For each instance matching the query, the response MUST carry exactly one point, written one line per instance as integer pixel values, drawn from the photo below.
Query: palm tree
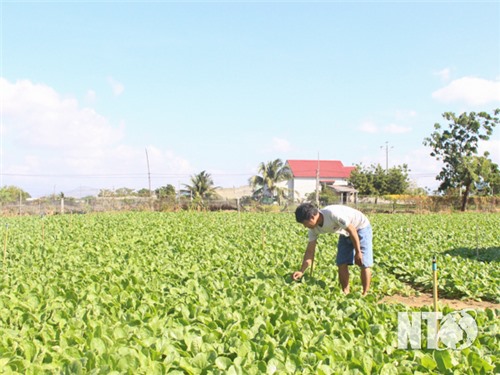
(270, 174)
(202, 186)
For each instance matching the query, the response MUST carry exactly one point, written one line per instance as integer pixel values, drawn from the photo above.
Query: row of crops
(211, 293)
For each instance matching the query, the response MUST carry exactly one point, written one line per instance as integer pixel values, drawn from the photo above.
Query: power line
(72, 175)
(118, 175)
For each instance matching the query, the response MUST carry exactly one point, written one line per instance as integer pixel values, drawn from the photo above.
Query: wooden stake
(239, 214)
(5, 246)
(435, 295)
(409, 237)
(477, 241)
(435, 283)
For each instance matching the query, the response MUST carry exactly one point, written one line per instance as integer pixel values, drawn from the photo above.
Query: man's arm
(353, 233)
(307, 261)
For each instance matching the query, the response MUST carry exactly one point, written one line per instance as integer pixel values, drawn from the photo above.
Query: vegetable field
(211, 293)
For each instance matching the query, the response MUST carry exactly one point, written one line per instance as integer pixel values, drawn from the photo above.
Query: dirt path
(427, 300)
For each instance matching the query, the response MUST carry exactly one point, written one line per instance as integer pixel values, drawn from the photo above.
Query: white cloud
(90, 96)
(396, 129)
(372, 128)
(368, 127)
(36, 115)
(117, 87)
(281, 145)
(405, 114)
(166, 161)
(46, 134)
(444, 74)
(469, 90)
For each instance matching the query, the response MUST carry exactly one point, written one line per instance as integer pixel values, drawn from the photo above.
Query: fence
(422, 204)
(395, 204)
(58, 206)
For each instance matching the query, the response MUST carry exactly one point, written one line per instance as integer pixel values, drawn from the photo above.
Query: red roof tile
(327, 168)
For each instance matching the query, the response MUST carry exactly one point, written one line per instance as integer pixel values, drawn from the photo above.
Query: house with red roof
(307, 173)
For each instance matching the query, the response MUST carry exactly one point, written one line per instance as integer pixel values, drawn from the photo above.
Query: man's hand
(358, 259)
(297, 275)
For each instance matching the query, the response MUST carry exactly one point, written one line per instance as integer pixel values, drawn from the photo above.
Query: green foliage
(165, 192)
(485, 175)
(105, 193)
(145, 193)
(266, 183)
(10, 194)
(202, 186)
(375, 180)
(125, 192)
(457, 147)
(464, 244)
(416, 191)
(211, 293)
(326, 196)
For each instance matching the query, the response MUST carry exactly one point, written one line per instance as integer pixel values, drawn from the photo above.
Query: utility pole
(317, 183)
(386, 155)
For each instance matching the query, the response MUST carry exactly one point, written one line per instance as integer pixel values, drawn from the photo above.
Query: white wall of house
(285, 184)
(303, 187)
(300, 188)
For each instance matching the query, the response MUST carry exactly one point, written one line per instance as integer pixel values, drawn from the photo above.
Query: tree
(143, 193)
(486, 175)
(105, 193)
(265, 184)
(413, 189)
(375, 180)
(494, 181)
(10, 194)
(202, 186)
(165, 191)
(326, 196)
(398, 181)
(457, 148)
(124, 192)
(362, 180)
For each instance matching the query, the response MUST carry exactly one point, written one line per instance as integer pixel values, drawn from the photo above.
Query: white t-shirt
(336, 218)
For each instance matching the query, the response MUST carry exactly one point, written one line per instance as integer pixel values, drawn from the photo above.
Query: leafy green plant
(211, 293)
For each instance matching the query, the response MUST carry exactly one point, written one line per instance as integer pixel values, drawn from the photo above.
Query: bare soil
(424, 299)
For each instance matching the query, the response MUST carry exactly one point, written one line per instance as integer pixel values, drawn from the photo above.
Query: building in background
(308, 175)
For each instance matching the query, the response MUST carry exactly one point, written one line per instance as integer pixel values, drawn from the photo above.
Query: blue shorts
(345, 253)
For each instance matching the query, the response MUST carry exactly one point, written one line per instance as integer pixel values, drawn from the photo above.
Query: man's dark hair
(304, 212)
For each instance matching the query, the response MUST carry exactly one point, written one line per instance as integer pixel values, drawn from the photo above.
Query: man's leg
(366, 277)
(344, 277)
(365, 239)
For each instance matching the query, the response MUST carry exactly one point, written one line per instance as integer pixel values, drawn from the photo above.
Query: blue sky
(87, 87)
